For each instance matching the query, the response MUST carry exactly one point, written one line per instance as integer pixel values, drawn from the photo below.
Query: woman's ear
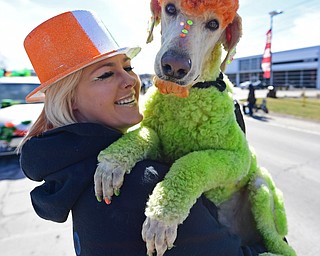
(155, 18)
(74, 105)
(230, 38)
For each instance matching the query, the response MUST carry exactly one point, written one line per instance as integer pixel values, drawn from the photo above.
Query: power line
(290, 13)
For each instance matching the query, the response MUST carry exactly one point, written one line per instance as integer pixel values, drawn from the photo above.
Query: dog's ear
(230, 37)
(155, 18)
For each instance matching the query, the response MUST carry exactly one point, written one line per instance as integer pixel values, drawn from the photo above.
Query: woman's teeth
(126, 101)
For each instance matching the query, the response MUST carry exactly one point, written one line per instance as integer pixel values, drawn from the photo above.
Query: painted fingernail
(98, 199)
(117, 192)
(107, 200)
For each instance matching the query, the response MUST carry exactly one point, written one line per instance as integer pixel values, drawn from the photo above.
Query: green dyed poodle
(199, 135)
(210, 154)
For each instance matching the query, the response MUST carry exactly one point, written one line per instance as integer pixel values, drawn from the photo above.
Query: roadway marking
(277, 124)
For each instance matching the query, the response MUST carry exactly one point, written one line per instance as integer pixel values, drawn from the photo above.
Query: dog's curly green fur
(210, 154)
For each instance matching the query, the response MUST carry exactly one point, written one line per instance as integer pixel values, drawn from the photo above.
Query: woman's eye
(104, 76)
(128, 69)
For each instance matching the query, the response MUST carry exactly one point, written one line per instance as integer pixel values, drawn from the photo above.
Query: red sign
(266, 59)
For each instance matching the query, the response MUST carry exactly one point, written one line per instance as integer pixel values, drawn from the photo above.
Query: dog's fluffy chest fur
(203, 120)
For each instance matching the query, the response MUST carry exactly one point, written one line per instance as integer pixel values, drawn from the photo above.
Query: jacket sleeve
(54, 199)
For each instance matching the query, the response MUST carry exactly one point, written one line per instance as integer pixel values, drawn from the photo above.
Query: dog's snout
(175, 65)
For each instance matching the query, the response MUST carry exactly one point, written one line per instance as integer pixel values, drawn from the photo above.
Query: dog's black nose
(175, 65)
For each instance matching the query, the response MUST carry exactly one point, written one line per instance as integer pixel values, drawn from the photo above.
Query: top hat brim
(37, 95)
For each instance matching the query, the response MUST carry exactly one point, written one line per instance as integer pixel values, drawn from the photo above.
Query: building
(293, 68)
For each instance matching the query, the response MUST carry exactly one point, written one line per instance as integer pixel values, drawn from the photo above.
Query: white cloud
(128, 22)
(306, 30)
(289, 33)
(128, 26)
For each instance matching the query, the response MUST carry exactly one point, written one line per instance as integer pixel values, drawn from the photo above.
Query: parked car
(258, 84)
(146, 82)
(145, 85)
(16, 117)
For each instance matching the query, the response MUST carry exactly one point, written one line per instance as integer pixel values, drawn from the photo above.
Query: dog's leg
(269, 213)
(120, 157)
(188, 178)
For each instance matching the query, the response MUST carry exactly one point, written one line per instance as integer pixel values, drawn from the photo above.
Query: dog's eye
(171, 9)
(213, 25)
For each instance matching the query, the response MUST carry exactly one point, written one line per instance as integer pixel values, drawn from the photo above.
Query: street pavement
(23, 233)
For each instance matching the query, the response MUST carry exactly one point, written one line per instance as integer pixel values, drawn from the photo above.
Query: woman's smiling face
(108, 93)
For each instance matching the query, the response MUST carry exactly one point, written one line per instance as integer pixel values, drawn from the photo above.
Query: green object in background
(26, 122)
(6, 132)
(6, 103)
(24, 72)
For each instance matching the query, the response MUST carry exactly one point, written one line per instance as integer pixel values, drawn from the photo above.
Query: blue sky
(127, 20)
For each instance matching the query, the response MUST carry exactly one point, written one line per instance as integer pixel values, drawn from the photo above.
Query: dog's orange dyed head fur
(226, 9)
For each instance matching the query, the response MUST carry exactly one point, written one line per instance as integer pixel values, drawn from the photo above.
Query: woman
(90, 95)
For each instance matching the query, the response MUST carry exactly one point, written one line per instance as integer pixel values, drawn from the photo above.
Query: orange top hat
(66, 43)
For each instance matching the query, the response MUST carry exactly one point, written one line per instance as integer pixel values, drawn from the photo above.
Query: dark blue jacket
(66, 159)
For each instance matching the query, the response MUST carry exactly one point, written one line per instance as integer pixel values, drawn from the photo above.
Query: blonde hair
(57, 110)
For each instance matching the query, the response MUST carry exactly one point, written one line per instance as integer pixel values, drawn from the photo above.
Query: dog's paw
(108, 179)
(158, 236)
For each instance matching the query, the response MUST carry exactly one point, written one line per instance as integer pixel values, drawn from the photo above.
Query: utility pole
(272, 14)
